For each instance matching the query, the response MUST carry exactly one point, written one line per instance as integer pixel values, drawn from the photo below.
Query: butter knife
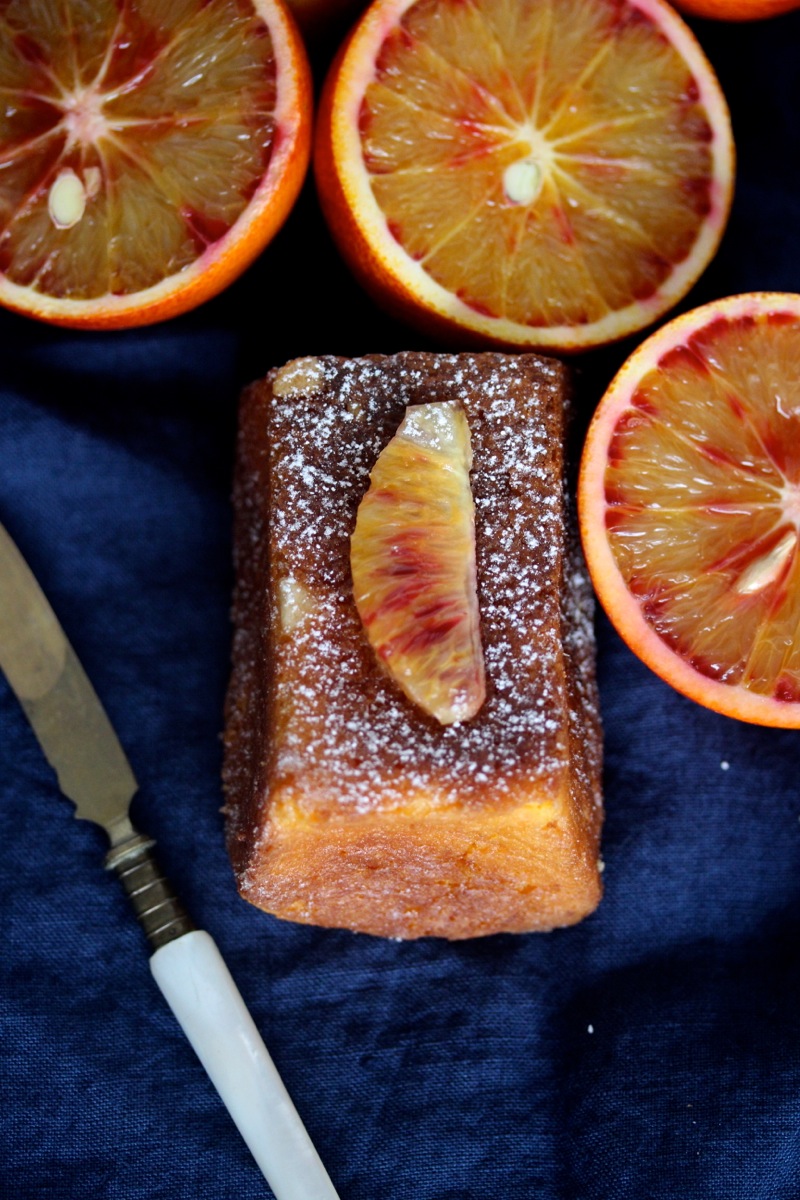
(93, 772)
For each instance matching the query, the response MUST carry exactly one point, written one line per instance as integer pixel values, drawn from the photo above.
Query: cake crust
(346, 805)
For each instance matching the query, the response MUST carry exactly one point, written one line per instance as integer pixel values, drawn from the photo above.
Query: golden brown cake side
(346, 805)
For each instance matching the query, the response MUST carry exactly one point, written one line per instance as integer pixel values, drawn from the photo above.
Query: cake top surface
(337, 721)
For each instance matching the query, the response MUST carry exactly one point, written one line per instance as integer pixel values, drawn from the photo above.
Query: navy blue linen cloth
(650, 1053)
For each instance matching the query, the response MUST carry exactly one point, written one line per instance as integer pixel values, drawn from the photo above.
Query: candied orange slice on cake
(148, 151)
(689, 502)
(412, 556)
(534, 173)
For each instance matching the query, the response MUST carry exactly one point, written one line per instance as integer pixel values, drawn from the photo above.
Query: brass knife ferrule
(158, 910)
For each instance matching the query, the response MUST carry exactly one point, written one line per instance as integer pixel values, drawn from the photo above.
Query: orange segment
(149, 149)
(413, 564)
(690, 505)
(533, 173)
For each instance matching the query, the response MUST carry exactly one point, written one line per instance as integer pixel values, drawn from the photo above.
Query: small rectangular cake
(347, 805)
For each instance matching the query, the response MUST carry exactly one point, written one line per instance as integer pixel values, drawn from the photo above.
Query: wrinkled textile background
(651, 1053)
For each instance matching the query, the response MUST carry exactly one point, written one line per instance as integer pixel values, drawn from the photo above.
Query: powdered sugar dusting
(298, 377)
(429, 425)
(338, 731)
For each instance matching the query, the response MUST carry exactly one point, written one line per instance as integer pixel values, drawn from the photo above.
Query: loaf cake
(347, 805)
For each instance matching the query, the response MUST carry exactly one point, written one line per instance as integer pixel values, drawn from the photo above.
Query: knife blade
(60, 702)
(93, 771)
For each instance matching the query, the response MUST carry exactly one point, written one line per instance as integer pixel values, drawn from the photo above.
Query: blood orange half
(532, 173)
(689, 501)
(148, 151)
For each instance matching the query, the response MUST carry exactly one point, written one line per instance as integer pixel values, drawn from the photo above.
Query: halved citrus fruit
(412, 555)
(148, 151)
(531, 173)
(689, 499)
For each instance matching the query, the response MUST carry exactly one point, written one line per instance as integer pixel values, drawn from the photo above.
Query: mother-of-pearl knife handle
(189, 970)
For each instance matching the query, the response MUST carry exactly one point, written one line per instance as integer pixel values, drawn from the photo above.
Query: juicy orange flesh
(413, 564)
(163, 109)
(599, 105)
(703, 494)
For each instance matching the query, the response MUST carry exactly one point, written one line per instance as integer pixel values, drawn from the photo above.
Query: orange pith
(530, 173)
(690, 505)
(149, 151)
(413, 564)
